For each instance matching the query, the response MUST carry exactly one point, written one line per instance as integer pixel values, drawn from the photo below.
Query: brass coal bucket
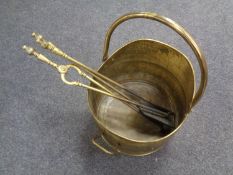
(158, 72)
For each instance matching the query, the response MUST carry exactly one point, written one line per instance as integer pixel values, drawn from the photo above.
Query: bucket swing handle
(176, 27)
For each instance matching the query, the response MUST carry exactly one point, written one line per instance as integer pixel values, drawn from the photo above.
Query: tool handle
(48, 45)
(32, 51)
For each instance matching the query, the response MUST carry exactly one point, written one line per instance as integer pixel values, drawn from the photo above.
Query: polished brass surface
(161, 74)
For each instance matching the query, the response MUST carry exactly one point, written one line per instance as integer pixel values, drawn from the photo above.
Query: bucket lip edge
(185, 114)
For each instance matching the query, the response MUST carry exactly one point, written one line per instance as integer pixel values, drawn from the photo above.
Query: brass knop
(31, 51)
(48, 45)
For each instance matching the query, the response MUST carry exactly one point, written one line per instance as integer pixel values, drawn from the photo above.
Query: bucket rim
(102, 126)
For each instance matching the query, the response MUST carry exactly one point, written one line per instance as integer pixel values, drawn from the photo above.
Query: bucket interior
(146, 68)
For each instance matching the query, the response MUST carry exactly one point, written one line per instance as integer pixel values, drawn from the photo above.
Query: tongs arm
(63, 70)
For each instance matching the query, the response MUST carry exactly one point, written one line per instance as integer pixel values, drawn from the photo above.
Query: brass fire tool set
(141, 95)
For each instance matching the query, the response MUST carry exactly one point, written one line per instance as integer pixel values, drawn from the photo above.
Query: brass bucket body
(154, 70)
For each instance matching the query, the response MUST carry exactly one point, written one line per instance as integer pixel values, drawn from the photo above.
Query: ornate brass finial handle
(48, 45)
(32, 51)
